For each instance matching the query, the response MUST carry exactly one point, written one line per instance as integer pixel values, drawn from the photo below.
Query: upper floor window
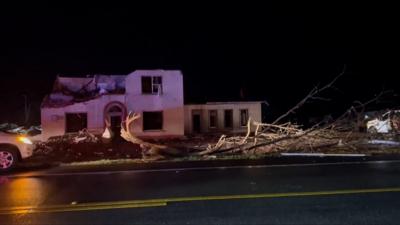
(152, 85)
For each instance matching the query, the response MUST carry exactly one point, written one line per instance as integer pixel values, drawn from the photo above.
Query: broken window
(228, 118)
(152, 85)
(157, 85)
(244, 117)
(146, 85)
(75, 122)
(152, 120)
(213, 118)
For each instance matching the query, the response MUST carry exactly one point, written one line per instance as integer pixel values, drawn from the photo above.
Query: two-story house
(157, 95)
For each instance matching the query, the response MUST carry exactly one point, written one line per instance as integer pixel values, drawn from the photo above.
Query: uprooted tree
(149, 150)
(127, 134)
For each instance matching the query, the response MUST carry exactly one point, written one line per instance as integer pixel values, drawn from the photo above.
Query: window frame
(155, 81)
(71, 113)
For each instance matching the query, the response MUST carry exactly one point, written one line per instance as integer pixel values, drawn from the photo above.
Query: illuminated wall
(254, 111)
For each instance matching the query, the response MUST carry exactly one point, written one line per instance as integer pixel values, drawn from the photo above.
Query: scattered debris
(384, 123)
(85, 136)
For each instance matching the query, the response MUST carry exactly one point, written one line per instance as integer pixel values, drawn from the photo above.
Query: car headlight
(25, 140)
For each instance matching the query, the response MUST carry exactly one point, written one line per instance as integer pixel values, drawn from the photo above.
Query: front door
(196, 123)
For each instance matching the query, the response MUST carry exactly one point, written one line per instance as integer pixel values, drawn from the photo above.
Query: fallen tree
(275, 136)
(278, 137)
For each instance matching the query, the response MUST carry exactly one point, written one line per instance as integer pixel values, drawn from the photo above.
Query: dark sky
(273, 55)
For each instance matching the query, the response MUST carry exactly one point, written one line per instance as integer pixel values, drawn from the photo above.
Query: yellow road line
(165, 201)
(279, 195)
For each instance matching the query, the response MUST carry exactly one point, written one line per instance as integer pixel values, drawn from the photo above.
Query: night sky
(272, 55)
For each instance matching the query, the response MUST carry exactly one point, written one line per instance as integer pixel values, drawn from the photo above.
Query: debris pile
(84, 146)
(83, 136)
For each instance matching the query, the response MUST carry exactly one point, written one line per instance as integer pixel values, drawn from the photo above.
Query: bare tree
(312, 95)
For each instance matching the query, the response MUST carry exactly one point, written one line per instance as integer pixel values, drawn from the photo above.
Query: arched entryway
(114, 113)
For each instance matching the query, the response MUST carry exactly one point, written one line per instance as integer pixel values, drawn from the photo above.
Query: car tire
(8, 158)
(372, 130)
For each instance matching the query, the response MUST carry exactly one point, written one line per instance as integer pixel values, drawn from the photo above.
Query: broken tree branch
(312, 94)
(248, 131)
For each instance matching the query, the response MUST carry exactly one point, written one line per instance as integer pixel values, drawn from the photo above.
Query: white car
(13, 148)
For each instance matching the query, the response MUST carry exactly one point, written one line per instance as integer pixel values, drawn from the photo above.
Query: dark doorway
(114, 115)
(116, 126)
(213, 118)
(228, 118)
(196, 123)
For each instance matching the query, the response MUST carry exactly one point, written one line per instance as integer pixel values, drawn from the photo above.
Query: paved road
(343, 193)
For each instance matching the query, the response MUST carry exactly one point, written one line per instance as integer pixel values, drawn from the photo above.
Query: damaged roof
(70, 90)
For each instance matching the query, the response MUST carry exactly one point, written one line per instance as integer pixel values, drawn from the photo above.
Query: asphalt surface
(327, 193)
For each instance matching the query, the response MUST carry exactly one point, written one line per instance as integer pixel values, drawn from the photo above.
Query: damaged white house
(157, 95)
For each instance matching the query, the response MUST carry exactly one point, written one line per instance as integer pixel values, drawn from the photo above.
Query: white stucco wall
(170, 101)
(254, 110)
(53, 119)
